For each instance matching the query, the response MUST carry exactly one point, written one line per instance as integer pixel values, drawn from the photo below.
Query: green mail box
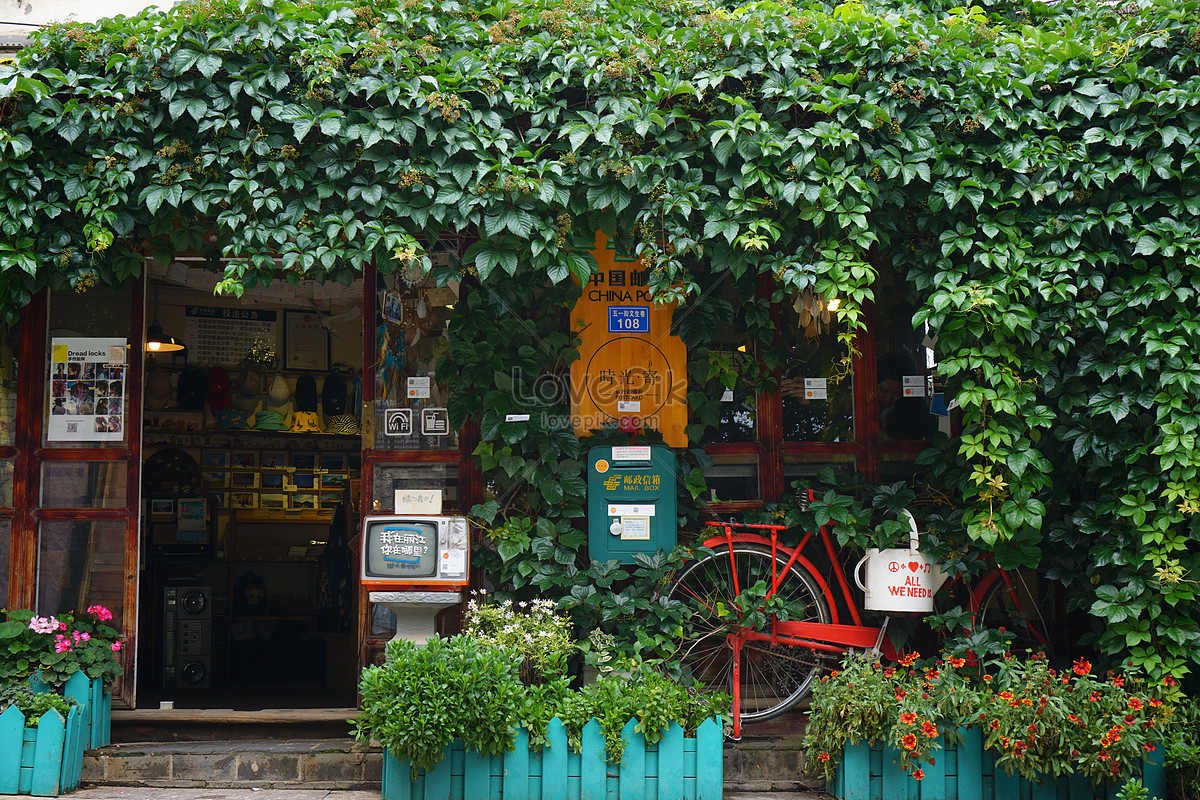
(631, 502)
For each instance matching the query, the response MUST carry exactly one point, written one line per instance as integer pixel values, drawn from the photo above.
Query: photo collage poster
(87, 390)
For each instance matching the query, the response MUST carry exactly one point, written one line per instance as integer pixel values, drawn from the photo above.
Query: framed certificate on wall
(305, 341)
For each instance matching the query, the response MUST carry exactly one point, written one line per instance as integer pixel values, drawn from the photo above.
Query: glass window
(816, 387)
(390, 478)
(8, 386)
(410, 403)
(5, 555)
(87, 405)
(804, 467)
(6, 481)
(81, 563)
(904, 367)
(83, 484)
(732, 477)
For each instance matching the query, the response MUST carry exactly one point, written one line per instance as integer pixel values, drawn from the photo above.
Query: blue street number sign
(628, 319)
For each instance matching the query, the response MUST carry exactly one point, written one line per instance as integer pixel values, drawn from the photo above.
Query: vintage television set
(415, 552)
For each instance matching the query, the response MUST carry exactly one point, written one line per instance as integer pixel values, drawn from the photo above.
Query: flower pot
(672, 769)
(46, 760)
(966, 771)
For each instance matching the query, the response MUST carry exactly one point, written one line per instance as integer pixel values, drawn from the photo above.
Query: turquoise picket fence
(45, 760)
(677, 768)
(967, 771)
(94, 701)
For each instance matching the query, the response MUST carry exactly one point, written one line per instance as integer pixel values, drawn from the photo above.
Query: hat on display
(280, 392)
(158, 389)
(343, 424)
(306, 422)
(191, 389)
(234, 419)
(333, 395)
(249, 381)
(306, 394)
(218, 391)
(269, 420)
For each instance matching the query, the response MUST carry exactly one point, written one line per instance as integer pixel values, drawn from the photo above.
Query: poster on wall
(87, 390)
(216, 335)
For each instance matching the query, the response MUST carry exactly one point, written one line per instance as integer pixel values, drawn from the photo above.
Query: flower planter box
(676, 768)
(46, 760)
(94, 701)
(966, 771)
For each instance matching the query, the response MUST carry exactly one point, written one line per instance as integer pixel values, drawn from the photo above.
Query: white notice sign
(418, 501)
(635, 529)
(631, 454)
(418, 387)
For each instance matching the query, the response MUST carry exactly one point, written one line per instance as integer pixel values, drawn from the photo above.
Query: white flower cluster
(536, 629)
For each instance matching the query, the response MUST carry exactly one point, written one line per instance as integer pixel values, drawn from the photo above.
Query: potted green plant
(1004, 721)
(75, 655)
(490, 713)
(41, 741)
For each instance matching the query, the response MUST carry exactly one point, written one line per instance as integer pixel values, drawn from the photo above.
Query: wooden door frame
(31, 455)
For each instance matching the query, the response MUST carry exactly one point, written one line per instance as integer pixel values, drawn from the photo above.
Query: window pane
(83, 484)
(5, 550)
(88, 398)
(405, 379)
(905, 367)
(817, 390)
(800, 470)
(81, 564)
(8, 385)
(389, 478)
(6, 481)
(732, 477)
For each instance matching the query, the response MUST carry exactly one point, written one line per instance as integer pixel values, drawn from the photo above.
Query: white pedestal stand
(415, 611)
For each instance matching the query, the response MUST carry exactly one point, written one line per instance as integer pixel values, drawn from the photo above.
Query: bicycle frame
(834, 637)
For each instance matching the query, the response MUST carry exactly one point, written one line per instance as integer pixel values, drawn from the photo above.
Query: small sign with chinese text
(628, 319)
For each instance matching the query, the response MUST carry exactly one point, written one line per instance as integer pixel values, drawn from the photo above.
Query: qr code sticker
(72, 427)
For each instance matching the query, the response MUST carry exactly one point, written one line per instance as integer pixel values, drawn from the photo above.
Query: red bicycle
(767, 663)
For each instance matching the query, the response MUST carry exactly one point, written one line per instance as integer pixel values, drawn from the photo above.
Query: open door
(80, 502)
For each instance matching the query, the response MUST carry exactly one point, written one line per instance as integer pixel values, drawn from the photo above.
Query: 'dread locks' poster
(87, 390)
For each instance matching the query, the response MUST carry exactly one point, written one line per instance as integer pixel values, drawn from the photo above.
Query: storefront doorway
(251, 463)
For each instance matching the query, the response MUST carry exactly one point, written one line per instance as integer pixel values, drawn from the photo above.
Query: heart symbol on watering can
(914, 566)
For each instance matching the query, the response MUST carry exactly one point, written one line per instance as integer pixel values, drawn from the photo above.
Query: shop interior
(251, 448)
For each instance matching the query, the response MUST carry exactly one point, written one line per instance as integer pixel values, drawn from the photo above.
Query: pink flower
(61, 643)
(43, 624)
(102, 614)
(116, 646)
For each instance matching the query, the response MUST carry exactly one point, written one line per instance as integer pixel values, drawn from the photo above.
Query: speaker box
(187, 637)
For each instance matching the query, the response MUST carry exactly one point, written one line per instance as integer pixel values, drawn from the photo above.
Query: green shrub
(463, 688)
(424, 697)
(33, 704)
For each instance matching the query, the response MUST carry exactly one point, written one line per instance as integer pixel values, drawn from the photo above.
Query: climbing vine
(1029, 169)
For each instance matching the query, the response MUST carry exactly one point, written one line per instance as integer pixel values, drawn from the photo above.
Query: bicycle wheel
(1016, 610)
(773, 678)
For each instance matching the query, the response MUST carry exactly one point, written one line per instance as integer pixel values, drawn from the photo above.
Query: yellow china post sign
(629, 363)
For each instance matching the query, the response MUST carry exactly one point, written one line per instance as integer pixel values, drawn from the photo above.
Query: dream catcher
(814, 315)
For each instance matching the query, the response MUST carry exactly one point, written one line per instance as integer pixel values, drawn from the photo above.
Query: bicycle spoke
(773, 678)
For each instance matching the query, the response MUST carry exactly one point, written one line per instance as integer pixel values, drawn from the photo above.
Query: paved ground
(132, 793)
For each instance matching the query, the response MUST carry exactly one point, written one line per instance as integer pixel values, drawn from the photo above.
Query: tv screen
(400, 548)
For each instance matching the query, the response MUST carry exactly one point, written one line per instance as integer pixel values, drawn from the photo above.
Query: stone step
(751, 765)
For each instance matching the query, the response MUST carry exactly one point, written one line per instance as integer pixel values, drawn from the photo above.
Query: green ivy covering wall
(1032, 170)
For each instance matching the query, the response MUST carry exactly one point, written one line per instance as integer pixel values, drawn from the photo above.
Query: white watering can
(899, 579)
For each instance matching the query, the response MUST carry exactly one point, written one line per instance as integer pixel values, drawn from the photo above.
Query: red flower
(908, 718)
(909, 742)
(1135, 703)
(1073, 718)
(1149, 748)
(1006, 695)
(1169, 681)
(1082, 667)
(1094, 697)
(822, 757)
(957, 662)
(1129, 719)
(994, 724)
(1154, 702)
(1118, 681)
(918, 774)
(909, 659)
(929, 729)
